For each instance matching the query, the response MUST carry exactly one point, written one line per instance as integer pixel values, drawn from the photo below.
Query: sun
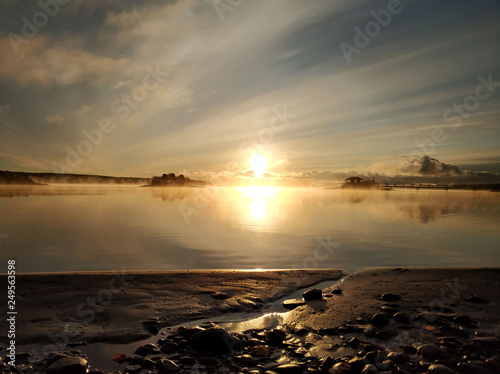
(258, 163)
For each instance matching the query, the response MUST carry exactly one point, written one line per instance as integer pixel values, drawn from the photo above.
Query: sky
(322, 88)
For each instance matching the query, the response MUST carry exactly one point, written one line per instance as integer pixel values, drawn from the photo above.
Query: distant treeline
(22, 178)
(172, 180)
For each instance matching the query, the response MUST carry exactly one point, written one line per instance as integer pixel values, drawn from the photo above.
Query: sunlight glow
(259, 198)
(258, 163)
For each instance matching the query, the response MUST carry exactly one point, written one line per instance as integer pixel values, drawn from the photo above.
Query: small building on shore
(357, 182)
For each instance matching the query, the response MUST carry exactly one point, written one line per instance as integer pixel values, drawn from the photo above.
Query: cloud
(83, 110)
(430, 166)
(56, 118)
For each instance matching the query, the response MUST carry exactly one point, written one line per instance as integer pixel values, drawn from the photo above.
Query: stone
(208, 361)
(379, 319)
(288, 369)
(470, 368)
(68, 365)
(275, 337)
(402, 317)
(167, 366)
(220, 296)
(370, 369)
(213, 339)
(336, 291)
(169, 347)
(453, 331)
(493, 365)
(152, 325)
(430, 351)
(187, 361)
(462, 319)
(314, 294)
(439, 369)
(476, 300)
(293, 303)
(488, 341)
(147, 349)
(358, 363)
(396, 357)
(133, 368)
(390, 297)
(261, 351)
(385, 334)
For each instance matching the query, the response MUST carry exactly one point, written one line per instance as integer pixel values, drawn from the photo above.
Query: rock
(68, 365)
(314, 294)
(245, 359)
(213, 339)
(470, 368)
(220, 296)
(275, 337)
(147, 349)
(293, 303)
(208, 361)
(370, 369)
(187, 361)
(187, 332)
(493, 365)
(488, 341)
(385, 334)
(353, 342)
(396, 357)
(167, 366)
(439, 369)
(358, 363)
(430, 351)
(341, 368)
(476, 300)
(288, 369)
(261, 351)
(152, 325)
(169, 347)
(402, 317)
(379, 319)
(390, 297)
(336, 291)
(462, 319)
(453, 331)
(133, 368)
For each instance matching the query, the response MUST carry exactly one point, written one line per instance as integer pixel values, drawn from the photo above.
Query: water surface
(88, 228)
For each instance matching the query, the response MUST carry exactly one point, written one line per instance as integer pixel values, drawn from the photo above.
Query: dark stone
(187, 361)
(462, 319)
(147, 349)
(370, 369)
(390, 297)
(293, 303)
(430, 351)
(439, 369)
(169, 347)
(453, 331)
(402, 317)
(488, 341)
(358, 363)
(275, 337)
(314, 294)
(493, 365)
(220, 296)
(133, 368)
(214, 339)
(288, 369)
(208, 361)
(380, 319)
(167, 366)
(68, 365)
(187, 332)
(397, 357)
(385, 334)
(336, 291)
(152, 325)
(476, 300)
(354, 342)
(470, 368)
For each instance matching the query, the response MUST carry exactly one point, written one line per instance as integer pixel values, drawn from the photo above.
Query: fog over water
(97, 228)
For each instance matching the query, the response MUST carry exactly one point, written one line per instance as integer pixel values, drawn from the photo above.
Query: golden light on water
(258, 197)
(258, 163)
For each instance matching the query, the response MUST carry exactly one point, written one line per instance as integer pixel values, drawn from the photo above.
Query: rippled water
(87, 228)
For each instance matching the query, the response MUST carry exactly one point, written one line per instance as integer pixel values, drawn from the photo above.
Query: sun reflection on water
(257, 198)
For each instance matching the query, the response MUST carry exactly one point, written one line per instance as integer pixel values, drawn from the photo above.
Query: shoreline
(387, 320)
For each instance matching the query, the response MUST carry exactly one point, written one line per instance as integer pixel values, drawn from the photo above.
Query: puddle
(100, 354)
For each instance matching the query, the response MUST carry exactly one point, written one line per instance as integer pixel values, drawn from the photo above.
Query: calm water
(110, 228)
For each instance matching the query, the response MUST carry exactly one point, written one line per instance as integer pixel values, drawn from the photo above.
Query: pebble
(336, 291)
(169, 347)
(213, 339)
(379, 319)
(167, 366)
(147, 349)
(288, 369)
(488, 341)
(476, 300)
(390, 297)
(293, 303)
(370, 369)
(439, 369)
(430, 351)
(275, 337)
(402, 317)
(220, 296)
(153, 325)
(453, 331)
(65, 365)
(462, 319)
(133, 368)
(396, 357)
(470, 368)
(314, 294)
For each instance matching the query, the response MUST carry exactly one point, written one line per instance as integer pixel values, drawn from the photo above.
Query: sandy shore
(111, 307)
(397, 320)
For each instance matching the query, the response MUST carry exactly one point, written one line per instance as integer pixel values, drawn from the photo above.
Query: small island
(171, 180)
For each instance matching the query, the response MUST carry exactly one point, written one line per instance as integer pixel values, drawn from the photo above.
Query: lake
(97, 228)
